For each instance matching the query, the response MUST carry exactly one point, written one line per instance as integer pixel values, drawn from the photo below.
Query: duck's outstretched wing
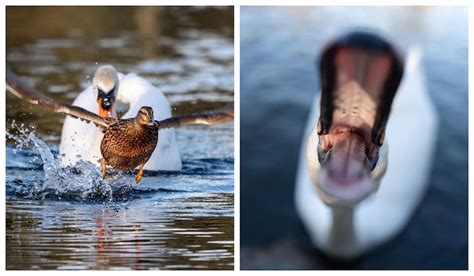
(18, 88)
(214, 117)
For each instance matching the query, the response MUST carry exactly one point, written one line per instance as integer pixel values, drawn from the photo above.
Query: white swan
(81, 140)
(349, 224)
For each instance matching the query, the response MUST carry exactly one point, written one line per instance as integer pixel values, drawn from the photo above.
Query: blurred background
(279, 49)
(180, 220)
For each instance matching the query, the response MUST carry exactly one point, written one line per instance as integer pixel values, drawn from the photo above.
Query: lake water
(279, 47)
(68, 218)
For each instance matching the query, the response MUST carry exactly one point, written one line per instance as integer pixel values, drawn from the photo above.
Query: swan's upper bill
(105, 86)
(360, 74)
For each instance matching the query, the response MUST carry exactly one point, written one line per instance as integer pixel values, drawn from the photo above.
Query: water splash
(81, 182)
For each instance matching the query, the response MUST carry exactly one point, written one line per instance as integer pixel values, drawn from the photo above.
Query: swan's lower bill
(344, 179)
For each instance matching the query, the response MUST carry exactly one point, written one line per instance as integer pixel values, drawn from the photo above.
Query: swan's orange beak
(105, 106)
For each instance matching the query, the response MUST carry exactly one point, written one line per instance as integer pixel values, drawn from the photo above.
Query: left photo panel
(119, 138)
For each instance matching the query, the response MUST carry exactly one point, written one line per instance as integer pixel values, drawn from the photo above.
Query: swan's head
(145, 116)
(346, 155)
(345, 166)
(105, 84)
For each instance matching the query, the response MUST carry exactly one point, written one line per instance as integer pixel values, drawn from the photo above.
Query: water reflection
(54, 235)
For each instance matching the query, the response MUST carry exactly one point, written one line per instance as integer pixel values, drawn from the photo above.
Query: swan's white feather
(81, 140)
(137, 92)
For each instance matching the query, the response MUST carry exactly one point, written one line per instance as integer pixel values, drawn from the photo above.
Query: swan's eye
(373, 161)
(322, 154)
(101, 93)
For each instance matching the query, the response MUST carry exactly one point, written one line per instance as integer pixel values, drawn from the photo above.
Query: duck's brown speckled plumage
(126, 144)
(129, 143)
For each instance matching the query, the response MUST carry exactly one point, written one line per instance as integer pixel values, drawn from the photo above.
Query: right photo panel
(354, 137)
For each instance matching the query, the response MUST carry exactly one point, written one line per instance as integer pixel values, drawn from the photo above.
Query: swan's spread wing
(18, 88)
(214, 117)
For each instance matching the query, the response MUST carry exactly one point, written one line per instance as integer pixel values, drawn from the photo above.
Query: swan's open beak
(360, 73)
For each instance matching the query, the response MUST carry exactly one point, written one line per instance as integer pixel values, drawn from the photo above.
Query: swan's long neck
(342, 234)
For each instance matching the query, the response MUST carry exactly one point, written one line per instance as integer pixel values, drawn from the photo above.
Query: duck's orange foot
(139, 174)
(103, 168)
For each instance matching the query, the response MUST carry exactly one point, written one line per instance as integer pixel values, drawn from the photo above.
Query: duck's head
(105, 84)
(145, 116)
(360, 73)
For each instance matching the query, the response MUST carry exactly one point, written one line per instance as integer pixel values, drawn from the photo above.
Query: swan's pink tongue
(345, 176)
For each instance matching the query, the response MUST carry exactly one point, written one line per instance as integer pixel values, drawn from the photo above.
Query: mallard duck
(127, 143)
